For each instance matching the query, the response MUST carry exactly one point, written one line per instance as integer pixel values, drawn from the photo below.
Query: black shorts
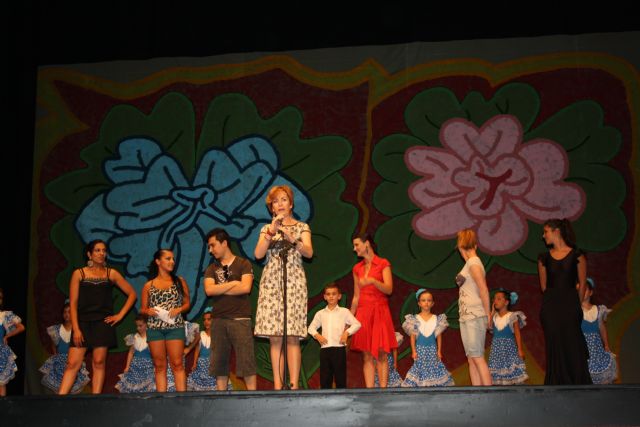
(96, 333)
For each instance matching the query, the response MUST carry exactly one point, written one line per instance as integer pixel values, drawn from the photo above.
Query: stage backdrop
(410, 142)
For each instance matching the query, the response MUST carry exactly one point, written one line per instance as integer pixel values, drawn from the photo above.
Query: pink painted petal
(547, 159)
(438, 166)
(428, 193)
(489, 187)
(520, 180)
(431, 161)
(498, 136)
(503, 234)
(442, 223)
(550, 196)
(457, 134)
(565, 201)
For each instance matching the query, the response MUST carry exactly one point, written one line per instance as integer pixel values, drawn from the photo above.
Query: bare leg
(98, 362)
(473, 372)
(277, 362)
(294, 359)
(175, 350)
(3, 390)
(368, 370)
(383, 369)
(222, 382)
(159, 355)
(74, 362)
(482, 371)
(250, 382)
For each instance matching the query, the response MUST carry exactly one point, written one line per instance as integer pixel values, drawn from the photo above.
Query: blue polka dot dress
(140, 378)
(505, 365)
(427, 369)
(199, 379)
(8, 366)
(394, 380)
(53, 368)
(602, 364)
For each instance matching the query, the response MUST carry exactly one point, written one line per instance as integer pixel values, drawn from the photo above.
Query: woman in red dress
(372, 285)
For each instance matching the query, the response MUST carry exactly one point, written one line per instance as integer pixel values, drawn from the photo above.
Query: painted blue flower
(153, 205)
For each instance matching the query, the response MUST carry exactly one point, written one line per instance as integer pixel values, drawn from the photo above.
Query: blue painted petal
(256, 148)
(193, 202)
(238, 227)
(137, 248)
(258, 159)
(216, 170)
(238, 174)
(136, 154)
(252, 183)
(96, 222)
(149, 204)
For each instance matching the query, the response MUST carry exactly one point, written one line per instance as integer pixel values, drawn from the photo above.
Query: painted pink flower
(487, 179)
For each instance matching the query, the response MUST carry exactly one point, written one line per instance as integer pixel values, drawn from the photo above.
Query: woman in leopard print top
(164, 298)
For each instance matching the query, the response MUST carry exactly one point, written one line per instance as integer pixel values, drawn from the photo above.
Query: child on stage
(506, 358)
(395, 380)
(10, 325)
(53, 368)
(425, 330)
(602, 363)
(199, 379)
(139, 373)
(334, 321)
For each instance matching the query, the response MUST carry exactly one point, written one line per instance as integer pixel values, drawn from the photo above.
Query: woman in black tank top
(92, 318)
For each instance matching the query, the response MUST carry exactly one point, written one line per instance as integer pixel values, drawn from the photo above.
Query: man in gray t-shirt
(228, 282)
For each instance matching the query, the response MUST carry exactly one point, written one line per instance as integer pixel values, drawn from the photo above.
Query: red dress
(377, 331)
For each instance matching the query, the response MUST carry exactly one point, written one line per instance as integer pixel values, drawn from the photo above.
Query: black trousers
(333, 366)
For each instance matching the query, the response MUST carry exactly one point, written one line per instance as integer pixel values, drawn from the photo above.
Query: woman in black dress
(92, 317)
(560, 270)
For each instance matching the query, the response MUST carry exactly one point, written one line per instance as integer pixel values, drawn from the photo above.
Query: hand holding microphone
(276, 223)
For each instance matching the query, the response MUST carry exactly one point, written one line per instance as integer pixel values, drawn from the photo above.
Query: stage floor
(616, 405)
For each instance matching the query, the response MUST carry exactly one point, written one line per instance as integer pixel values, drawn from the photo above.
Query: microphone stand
(283, 246)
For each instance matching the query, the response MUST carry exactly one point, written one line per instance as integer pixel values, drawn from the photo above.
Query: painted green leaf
(590, 144)
(425, 263)
(517, 99)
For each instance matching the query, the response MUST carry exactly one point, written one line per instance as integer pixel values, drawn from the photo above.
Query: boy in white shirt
(334, 321)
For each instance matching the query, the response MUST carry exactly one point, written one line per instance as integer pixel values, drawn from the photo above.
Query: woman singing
(293, 236)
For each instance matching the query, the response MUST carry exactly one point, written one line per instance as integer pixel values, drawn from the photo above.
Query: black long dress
(561, 317)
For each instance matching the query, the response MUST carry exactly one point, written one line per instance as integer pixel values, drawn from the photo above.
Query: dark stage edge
(617, 405)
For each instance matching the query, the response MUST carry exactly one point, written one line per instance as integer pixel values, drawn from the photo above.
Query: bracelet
(267, 236)
(269, 232)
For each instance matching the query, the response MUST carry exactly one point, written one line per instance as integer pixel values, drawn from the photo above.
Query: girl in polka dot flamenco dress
(53, 368)
(506, 358)
(139, 373)
(602, 363)
(425, 330)
(395, 380)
